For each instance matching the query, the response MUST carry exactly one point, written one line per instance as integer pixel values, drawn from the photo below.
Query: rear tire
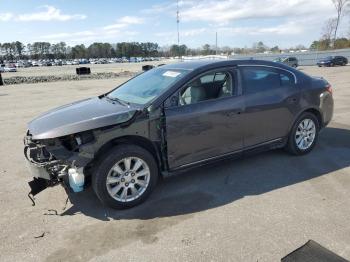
(125, 177)
(303, 135)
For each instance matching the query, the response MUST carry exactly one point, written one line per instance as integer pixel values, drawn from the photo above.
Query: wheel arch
(315, 112)
(140, 141)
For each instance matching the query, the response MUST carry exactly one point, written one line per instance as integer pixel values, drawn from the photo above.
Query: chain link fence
(304, 58)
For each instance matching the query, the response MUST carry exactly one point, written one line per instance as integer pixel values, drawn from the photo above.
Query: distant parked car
(84, 61)
(27, 64)
(133, 60)
(140, 59)
(47, 63)
(57, 63)
(290, 61)
(10, 68)
(333, 61)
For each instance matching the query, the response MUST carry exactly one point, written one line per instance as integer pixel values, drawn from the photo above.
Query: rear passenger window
(260, 79)
(287, 79)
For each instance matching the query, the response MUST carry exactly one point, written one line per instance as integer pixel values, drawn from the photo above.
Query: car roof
(201, 64)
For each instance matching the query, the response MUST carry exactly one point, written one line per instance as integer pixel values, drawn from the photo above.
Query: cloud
(125, 21)
(70, 35)
(109, 32)
(249, 19)
(5, 17)
(288, 29)
(225, 11)
(168, 7)
(97, 35)
(50, 13)
(131, 20)
(185, 33)
(83, 36)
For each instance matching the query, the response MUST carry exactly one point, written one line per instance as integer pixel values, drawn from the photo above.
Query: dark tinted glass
(260, 79)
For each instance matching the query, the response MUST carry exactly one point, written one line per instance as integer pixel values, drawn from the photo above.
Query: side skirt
(256, 149)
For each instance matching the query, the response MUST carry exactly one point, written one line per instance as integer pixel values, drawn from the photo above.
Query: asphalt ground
(254, 209)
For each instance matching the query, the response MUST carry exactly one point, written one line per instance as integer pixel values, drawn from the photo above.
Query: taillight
(329, 89)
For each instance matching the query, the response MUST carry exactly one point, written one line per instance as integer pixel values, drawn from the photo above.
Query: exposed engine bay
(55, 161)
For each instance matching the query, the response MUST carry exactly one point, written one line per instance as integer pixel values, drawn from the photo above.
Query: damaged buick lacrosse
(172, 118)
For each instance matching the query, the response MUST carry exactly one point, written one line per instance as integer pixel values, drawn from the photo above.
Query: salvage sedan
(173, 118)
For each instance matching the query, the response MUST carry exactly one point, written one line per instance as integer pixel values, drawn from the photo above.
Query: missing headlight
(72, 142)
(84, 137)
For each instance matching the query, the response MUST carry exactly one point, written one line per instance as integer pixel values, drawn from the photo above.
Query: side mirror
(172, 101)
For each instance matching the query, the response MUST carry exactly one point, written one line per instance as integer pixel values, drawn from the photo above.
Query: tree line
(45, 50)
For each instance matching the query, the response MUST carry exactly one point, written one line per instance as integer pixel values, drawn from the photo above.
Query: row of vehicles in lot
(327, 61)
(11, 66)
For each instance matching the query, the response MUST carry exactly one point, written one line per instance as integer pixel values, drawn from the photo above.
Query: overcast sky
(239, 23)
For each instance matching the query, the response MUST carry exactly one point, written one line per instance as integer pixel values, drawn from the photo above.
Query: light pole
(178, 31)
(216, 43)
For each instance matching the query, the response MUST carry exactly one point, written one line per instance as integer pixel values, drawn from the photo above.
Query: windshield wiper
(123, 103)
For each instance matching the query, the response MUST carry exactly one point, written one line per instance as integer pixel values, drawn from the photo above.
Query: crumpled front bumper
(50, 164)
(37, 171)
(42, 166)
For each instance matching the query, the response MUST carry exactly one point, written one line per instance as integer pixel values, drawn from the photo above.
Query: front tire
(125, 177)
(304, 134)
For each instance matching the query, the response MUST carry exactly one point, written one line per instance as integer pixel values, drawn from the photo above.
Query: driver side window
(209, 86)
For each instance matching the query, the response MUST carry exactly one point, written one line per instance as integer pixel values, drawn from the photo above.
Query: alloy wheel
(305, 134)
(128, 179)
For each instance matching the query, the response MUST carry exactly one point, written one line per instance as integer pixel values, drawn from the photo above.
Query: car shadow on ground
(227, 181)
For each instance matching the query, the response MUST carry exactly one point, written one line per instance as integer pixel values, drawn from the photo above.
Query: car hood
(80, 116)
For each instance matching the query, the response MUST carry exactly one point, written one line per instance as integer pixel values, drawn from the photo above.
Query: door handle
(233, 113)
(292, 100)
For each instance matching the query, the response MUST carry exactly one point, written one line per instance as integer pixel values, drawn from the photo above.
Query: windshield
(147, 86)
(328, 58)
